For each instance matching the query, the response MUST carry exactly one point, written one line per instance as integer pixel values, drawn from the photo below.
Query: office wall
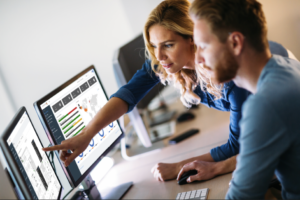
(7, 112)
(283, 19)
(6, 106)
(137, 12)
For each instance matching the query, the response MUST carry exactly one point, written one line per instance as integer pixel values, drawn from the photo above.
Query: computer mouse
(186, 175)
(185, 117)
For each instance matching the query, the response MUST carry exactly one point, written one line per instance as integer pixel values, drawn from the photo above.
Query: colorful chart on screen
(74, 108)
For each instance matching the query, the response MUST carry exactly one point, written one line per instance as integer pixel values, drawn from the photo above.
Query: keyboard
(194, 194)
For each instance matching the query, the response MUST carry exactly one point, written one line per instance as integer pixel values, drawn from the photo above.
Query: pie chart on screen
(92, 143)
(101, 133)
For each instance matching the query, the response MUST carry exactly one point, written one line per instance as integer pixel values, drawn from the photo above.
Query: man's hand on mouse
(165, 171)
(76, 144)
(206, 170)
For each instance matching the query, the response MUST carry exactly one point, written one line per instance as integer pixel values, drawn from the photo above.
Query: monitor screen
(68, 109)
(33, 164)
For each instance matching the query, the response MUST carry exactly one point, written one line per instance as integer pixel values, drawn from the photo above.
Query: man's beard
(226, 68)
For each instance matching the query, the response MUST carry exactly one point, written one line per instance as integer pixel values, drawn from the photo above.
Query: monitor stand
(157, 133)
(91, 191)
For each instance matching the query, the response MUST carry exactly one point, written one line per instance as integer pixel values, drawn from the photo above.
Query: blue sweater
(270, 134)
(233, 98)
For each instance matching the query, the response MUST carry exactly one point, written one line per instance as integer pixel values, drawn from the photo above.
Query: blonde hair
(206, 83)
(174, 15)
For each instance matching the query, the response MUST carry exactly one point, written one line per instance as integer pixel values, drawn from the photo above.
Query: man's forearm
(205, 157)
(221, 167)
(225, 166)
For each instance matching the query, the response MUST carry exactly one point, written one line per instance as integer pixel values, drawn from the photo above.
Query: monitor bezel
(41, 116)
(12, 164)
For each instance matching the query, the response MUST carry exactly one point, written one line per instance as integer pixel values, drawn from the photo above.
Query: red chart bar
(72, 110)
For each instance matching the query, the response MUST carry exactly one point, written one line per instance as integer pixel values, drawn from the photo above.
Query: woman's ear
(192, 39)
(193, 46)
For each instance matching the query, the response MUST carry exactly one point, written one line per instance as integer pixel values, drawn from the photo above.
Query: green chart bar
(78, 131)
(71, 122)
(68, 130)
(63, 117)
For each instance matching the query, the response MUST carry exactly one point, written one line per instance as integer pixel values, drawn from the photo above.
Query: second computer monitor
(127, 60)
(67, 110)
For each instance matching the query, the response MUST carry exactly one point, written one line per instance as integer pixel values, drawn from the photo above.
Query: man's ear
(236, 42)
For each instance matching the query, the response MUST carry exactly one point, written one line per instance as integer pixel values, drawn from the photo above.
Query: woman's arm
(236, 96)
(140, 84)
(121, 102)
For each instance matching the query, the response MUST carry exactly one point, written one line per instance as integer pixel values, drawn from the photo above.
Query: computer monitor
(65, 111)
(126, 61)
(29, 168)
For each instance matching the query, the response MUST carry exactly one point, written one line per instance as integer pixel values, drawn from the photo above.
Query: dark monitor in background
(32, 175)
(127, 60)
(65, 111)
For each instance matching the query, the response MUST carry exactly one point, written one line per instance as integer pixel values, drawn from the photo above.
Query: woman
(168, 35)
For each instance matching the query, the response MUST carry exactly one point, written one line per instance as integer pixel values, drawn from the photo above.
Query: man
(231, 39)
